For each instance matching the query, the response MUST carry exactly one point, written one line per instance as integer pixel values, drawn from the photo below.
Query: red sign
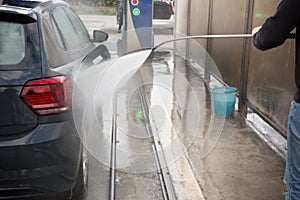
(134, 2)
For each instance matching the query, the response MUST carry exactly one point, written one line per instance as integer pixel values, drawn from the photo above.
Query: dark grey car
(41, 42)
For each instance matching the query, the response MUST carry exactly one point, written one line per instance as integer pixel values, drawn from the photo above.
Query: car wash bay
(162, 118)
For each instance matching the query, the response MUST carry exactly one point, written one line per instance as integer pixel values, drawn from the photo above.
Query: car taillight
(172, 7)
(48, 96)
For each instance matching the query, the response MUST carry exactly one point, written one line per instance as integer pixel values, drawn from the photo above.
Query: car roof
(27, 7)
(23, 3)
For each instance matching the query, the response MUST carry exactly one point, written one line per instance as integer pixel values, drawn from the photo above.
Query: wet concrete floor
(240, 166)
(220, 157)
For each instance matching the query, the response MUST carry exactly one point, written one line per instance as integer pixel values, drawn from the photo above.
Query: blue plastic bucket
(224, 100)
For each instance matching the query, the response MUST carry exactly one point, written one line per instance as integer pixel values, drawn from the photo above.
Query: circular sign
(135, 2)
(136, 12)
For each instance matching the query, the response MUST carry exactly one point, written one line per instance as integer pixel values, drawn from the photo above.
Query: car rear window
(161, 10)
(12, 43)
(19, 43)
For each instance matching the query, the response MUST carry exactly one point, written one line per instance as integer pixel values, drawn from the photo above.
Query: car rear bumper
(39, 188)
(163, 23)
(43, 162)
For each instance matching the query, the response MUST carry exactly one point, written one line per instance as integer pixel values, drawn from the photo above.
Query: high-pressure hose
(290, 36)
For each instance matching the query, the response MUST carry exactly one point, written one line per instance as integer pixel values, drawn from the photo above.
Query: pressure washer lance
(290, 36)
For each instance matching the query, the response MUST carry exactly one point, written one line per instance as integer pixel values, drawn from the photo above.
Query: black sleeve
(276, 29)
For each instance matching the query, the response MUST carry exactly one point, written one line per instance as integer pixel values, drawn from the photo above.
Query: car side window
(57, 35)
(66, 29)
(81, 31)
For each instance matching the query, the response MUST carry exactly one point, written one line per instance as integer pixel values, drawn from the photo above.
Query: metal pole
(188, 32)
(208, 42)
(245, 59)
(188, 24)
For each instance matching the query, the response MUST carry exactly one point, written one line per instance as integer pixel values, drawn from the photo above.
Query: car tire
(81, 186)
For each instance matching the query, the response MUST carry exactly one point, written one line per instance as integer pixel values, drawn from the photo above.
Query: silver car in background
(163, 14)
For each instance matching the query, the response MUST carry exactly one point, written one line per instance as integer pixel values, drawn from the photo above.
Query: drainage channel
(164, 182)
(112, 182)
(160, 161)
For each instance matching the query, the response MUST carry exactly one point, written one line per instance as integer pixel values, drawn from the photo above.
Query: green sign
(136, 12)
(139, 117)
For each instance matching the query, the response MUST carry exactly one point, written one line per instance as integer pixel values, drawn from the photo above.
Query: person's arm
(276, 29)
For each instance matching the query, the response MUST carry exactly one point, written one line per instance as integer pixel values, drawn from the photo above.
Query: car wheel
(81, 186)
